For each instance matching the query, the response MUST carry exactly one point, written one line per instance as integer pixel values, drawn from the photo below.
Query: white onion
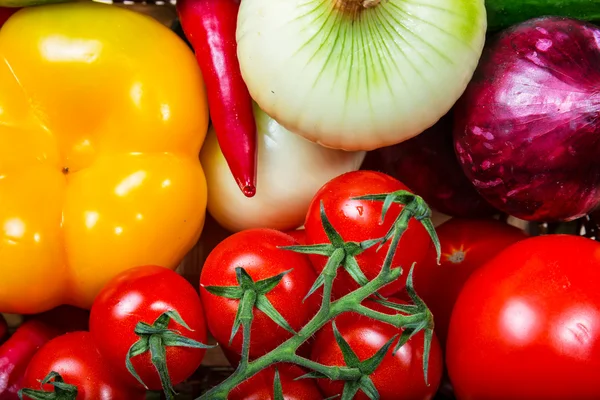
(362, 80)
(291, 170)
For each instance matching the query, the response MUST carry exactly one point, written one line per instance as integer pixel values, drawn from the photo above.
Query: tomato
(299, 235)
(256, 250)
(143, 294)
(399, 376)
(359, 220)
(260, 386)
(527, 324)
(466, 245)
(76, 358)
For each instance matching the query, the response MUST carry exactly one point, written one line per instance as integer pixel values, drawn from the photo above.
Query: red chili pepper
(210, 26)
(16, 353)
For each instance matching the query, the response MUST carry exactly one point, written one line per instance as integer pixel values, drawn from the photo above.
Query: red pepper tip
(248, 190)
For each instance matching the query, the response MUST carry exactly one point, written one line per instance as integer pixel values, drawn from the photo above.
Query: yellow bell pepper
(103, 112)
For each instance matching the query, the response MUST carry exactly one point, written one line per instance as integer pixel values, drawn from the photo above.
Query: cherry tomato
(260, 386)
(359, 220)
(399, 376)
(76, 358)
(299, 235)
(143, 294)
(466, 246)
(527, 324)
(256, 250)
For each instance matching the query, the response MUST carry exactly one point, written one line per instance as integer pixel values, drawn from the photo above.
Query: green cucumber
(505, 13)
(28, 3)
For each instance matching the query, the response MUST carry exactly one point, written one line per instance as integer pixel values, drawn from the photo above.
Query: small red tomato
(299, 235)
(399, 376)
(260, 386)
(467, 244)
(256, 250)
(527, 325)
(76, 358)
(143, 294)
(360, 220)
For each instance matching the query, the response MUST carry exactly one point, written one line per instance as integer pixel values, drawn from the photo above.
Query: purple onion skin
(427, 164)
(527, 129)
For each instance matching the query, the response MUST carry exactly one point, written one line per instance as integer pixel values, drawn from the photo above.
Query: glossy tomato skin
(399, 376)
(527, 325)
(143, 294)
(256, 250)
(260, 386)
(358, 220)
(467, 244)
(299, 235)
(76, 358)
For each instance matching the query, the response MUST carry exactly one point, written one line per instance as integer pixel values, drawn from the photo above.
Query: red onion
(428, 165)
(527, 129)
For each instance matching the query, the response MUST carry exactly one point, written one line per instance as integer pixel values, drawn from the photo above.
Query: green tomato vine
(411, 318)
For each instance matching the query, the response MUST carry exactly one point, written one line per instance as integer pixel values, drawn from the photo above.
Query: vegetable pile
(383, 199)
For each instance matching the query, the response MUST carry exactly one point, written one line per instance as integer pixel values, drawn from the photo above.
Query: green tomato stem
(286, 352)
(397, 320)
(332, 372)
(400, 226)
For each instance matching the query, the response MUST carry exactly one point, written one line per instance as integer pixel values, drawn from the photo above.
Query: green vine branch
(409, 318)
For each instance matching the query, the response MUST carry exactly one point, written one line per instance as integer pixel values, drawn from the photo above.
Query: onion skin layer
(527, 130)
(359, 81)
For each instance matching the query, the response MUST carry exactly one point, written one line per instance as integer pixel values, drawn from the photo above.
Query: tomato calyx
(339, 252)
(156, 338)
(62, 390)
(277, 388)
(251, 294)
(413, 207)
(366, 368)
(356, 374)
(421, 320)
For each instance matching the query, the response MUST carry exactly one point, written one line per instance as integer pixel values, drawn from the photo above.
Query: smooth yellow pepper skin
(103, 112)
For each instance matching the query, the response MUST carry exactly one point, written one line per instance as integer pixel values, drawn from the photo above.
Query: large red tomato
(467, 244)
(359, 220)
(258, 252)
(399, 376)
(143, 294)
(76, 358)
(527, 324)
(260, 386)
